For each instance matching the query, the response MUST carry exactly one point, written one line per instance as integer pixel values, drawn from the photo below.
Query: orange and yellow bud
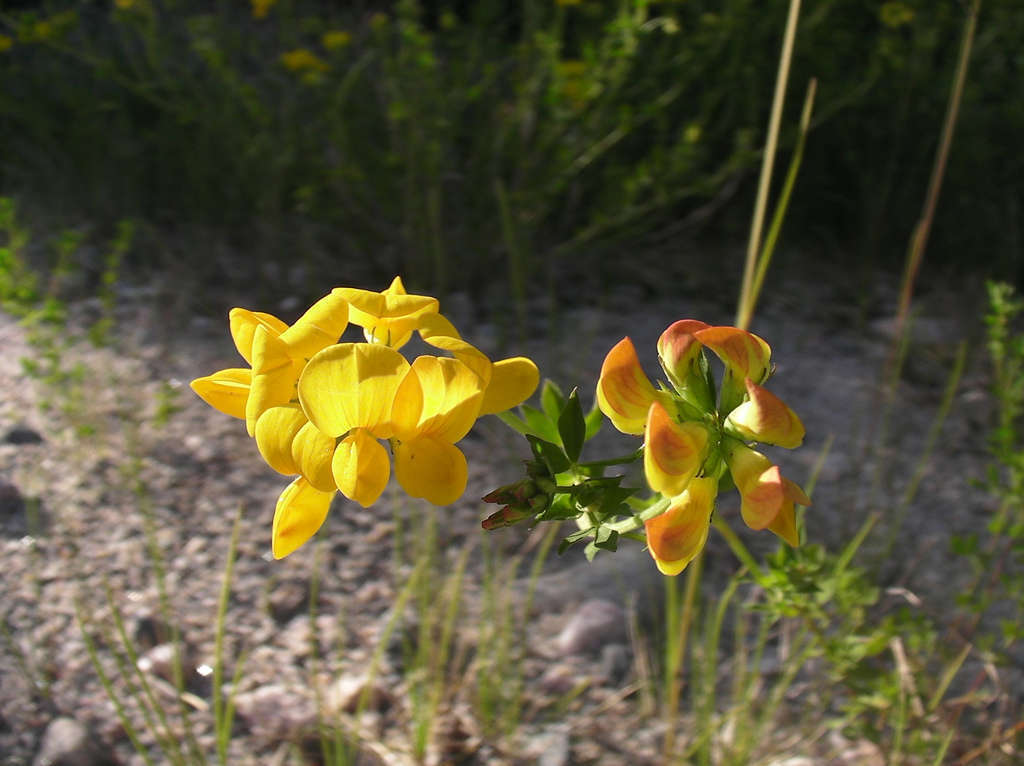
(678, 349)
(744, 354)
(674, 452)
(767, 496)
(624, 392)
(764, 417)
(676, 536)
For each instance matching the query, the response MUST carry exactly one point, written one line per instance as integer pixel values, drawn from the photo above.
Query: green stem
(736, 545)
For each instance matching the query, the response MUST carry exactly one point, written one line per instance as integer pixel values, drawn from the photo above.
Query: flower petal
(225, 390)
(673, 452)
(361, 467)
(624, 392)
(300, 512)
(352, 385)
(321, 326)
(513, 381)
(676, 536)
(766, 418)
(466, 353)
(243, 325)
(313, 451)
(431, 469)
(431, 325)
(440, 397)
(678, 348)
(275, 431)
(784, 525)
(274, 374)
(387, 317)
(743, 353)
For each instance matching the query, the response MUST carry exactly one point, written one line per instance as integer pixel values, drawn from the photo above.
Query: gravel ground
(84, 465)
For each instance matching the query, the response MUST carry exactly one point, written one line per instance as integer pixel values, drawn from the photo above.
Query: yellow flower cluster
(694, 435)
(321, 409)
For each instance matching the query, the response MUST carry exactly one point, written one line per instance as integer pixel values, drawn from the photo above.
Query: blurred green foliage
(468, 145)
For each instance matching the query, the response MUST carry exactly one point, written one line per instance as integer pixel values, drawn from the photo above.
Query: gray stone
(66, 742)
(595, 623)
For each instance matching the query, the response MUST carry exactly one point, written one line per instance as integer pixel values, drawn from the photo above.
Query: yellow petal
(225, 390)
(440, 397)
(275, 431)
(624, 393)
(512, 382)
(675, 537)
(743, 353)
(466, 353)
(300, 512)
(436, 324)
(313, 451)
(784, 525)
(673, 452)
(321, 325)
(243, 325)
(274, 374)
(431, 469)
(352, 385)
(387, 317)
(361, 467)
(764, 417)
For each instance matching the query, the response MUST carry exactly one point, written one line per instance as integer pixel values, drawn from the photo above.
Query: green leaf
(550, 454)
(514, 422)
(552, 400)
(590, 551)
(607, 539)
(542, 426)
(594, 421)
(572, 427)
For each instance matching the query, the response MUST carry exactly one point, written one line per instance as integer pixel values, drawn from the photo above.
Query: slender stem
(737, 546)
(924, 224)
(743, 315)
(678, 656)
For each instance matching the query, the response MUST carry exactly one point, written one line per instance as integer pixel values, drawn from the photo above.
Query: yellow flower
(390, 316)
(335, 39)
(301, 61)
(277, 354)
(676, 536)
(260, 8)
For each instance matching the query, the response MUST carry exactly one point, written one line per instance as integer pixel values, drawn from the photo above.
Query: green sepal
(572, 426)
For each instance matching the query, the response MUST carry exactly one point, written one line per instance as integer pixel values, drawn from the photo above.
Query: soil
(101, 471)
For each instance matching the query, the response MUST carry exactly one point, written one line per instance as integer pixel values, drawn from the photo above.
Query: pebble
(67, 742)
(288, 599)
(275, 713)
(595, 623)
(352, 694)
(22, 435)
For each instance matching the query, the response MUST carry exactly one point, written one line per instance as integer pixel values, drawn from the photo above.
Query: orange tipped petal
(225, 390)
(745, 354)
(624, 392)
(675, 537)
(766, 418)
(673, 452)
(678, 347)
(300, 512)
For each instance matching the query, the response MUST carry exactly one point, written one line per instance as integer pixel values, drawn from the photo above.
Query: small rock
(358, 693)
(287, 599)
(616, 660)
(22, 435)
(275, 713)
(159, 661)
(595, 623)
(559, 679)
(554, 747)
(66, 742)
(12, 504)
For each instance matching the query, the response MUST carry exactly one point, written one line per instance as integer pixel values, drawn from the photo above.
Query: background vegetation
(451, 142)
